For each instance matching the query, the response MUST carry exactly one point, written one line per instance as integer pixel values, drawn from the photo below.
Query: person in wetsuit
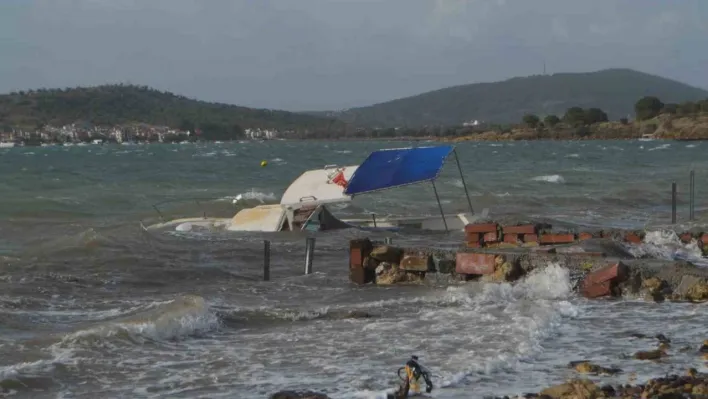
(414, 371)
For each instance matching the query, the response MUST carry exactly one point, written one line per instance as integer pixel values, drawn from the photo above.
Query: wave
(494, 326)
(259, 196)
(666, 244)
(550, 178)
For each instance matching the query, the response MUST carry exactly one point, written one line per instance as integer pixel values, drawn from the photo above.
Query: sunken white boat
(305, 204)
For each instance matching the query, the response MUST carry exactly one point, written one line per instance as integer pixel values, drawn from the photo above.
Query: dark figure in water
(414, 371)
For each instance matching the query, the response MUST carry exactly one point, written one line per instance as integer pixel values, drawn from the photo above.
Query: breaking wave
(666, 244)
(550, 178)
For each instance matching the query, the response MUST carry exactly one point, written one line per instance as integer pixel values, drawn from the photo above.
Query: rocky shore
(668, 127)
(600, 265)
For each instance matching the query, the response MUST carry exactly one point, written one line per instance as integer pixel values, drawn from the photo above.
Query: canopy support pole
(442, 214)
(464, 185)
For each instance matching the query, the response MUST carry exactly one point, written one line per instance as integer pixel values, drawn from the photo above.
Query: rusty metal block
(474, 263)
(473, 237)
(358, 250)
(614, 273)
(557, 239)
(361, 276)
(633, 238)
(597, 290)
(481, 228)
(511, 238)
(523, 229)
(686, 238)
(584, 236)
(530, 237)
(490, 237)
(416, 263)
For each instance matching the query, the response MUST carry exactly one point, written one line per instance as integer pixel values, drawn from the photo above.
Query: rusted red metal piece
(584, 236)
(557, 239)
(530, 237)
(474, 263)
(481, 228)
(491, 237)
(601, 282)
(633, 238)
(511, 238)
(597, 290)
(522, 229)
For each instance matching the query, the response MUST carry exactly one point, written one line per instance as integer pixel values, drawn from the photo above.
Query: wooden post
(309, 254)
(266, 260)
(692, 199)
(673, 203)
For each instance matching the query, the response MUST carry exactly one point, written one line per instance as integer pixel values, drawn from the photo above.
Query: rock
(386, 253)
(388, 274)
(654, 284)
(574, 389)
(503, 271)
(298, 395)
(651, 355)
(692, 288)
(698, 292)
(704, 347)
(586, 367)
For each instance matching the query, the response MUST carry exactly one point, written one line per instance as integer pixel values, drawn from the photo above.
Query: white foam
(550, 178)
(661, 147)
(666, 244)
(253, 194)
(573, 156)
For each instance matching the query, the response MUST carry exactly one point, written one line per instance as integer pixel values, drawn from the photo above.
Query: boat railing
(200, 202)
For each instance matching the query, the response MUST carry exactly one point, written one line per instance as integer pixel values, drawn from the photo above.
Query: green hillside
(613, 90)
(124, 104)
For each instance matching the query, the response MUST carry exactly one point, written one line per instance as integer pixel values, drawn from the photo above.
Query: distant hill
(124, 104)
(613, 90)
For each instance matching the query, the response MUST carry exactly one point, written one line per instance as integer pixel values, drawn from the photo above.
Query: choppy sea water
(93, 306)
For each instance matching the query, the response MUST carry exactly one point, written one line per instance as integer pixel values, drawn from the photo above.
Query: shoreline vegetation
(138, 114)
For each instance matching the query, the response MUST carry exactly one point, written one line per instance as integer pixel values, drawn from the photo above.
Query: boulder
(504, 270)
(586, 367)
(698, 292)
(298, 395)
(574, 389)
(386, 253)
(656, 354)
(691, 288)
(389, 274)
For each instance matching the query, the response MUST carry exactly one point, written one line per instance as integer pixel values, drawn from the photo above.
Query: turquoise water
(90, 303)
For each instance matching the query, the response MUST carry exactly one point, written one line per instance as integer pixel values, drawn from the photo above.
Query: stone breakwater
(599, 262)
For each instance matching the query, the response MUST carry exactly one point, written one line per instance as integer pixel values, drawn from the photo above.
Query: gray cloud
(328, 54)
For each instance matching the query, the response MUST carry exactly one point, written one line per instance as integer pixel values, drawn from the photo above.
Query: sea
(94, 306)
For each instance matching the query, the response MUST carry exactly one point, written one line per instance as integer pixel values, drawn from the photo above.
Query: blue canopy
(385, 169)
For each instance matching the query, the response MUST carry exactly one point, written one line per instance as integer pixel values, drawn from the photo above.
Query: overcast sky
(332, 54)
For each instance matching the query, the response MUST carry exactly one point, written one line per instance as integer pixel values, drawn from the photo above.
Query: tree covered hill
(125, 104)
(613, 90)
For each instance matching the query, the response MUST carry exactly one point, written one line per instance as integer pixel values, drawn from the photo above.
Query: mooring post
(373, 216)
(387, 240)
(692, 197)
(266, 260)
(673, 203)
(309, 254)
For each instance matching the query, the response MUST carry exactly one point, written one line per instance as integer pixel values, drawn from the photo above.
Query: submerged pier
(599, 262)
